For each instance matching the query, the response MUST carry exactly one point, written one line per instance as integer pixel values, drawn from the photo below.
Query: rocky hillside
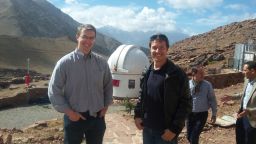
(219, 42)
(42, 52)
(35, 18)
(40, 31)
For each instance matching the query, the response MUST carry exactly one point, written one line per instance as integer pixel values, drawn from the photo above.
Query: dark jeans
(154, 137)
(92, 129)
(195, 125)
(245, 134)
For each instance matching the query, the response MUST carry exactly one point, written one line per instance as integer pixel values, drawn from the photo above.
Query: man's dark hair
(194, 71)
(85, 27)
(251, 65)
(160, 37)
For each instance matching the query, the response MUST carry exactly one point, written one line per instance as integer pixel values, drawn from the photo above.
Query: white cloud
(236, 7)
(212, 20)
(189, 31)
(246, 16)
(219, 19)
(193, 4)
(125, 18)
(71, 1)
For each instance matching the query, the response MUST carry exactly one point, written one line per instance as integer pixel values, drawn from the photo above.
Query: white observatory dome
(127, 64)
(129, 59)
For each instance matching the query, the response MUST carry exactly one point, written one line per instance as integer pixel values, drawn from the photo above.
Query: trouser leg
(250, 132)
(95, 132)
(240, 133)
(73, 131)
(189, 126)
(196, 126)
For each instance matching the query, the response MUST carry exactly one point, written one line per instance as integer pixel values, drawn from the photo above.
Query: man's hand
(168, 135)
(138, 123)
(242, 114)
(74, 116)
(213, 119)
(103, 111)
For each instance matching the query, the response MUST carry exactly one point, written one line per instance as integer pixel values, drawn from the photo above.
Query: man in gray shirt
(81, 88)
(203, 98)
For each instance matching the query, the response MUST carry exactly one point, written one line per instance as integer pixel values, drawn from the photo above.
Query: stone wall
(220, 81)
(23, 98)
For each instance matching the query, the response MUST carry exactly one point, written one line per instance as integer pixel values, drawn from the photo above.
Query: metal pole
(28, 65)
(28, 77)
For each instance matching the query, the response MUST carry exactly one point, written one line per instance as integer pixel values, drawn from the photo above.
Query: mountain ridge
(139, 37)
(23, 23)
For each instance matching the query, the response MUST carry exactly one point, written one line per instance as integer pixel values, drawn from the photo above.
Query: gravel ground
(21, 117)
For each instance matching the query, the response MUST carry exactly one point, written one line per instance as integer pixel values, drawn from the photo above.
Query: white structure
(127, 64)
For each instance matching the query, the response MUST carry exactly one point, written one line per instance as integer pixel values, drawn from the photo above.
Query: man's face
(158, 50)
(199, 76)
(86, 40)
(249, 74)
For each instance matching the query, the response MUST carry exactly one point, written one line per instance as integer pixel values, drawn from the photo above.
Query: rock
(37, 125)
(230, 102)
(4, 84)
(216, 57)
(1, 139)
(12, 87)
(18, 80)
(9, 139)
(225, 121)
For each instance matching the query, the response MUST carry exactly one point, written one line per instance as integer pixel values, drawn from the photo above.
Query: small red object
(115, 82)
(27, 79)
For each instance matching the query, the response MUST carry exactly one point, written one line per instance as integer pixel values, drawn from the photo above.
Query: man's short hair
(251, 64)
(85, 27)
(159, 36)
(195, 69)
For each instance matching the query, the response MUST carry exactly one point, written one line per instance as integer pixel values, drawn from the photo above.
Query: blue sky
(186, 16)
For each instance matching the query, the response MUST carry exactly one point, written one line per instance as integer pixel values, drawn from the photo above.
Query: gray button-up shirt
(81, 83)
(204, 99)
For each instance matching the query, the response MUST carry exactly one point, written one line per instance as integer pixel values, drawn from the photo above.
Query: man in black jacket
(165, 100)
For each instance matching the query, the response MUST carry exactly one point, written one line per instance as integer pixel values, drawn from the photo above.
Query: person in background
(246, 116)
(165, 100)
(203, 98)
(81, 88)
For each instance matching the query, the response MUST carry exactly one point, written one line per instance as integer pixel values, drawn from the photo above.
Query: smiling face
(86, 40)
(159, 51)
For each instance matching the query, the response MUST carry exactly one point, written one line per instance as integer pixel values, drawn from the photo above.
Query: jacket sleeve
(252, 112)
(138, 107)
(184, 107)
(251, 106)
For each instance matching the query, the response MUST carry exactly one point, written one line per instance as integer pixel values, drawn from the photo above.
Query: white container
(127, 63)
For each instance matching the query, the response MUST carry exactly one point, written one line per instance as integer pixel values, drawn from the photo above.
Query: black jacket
(177, 99)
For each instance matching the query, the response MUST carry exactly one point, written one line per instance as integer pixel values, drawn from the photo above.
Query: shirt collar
(252, 81)
(81, 54)
(163, 68)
